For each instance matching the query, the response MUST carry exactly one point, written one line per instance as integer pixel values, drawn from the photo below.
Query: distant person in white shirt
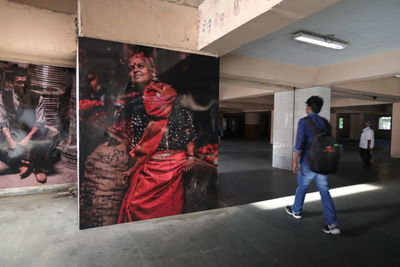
(367, 141)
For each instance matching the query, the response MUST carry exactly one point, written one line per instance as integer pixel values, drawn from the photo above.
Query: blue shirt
(305, 135)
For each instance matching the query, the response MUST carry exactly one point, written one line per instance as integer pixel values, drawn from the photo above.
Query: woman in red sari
(162, 142)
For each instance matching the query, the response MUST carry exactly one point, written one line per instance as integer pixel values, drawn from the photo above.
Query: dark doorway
(233, 125)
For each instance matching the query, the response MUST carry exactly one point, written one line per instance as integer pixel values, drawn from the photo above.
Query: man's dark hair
(315, 103)
(20, 71)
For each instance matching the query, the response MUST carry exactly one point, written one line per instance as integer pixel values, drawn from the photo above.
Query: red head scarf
(158, 99)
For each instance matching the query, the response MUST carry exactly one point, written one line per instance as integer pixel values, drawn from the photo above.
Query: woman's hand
(126, 175)
(190, 161)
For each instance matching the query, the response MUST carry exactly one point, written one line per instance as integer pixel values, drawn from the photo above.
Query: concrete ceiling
(370, 26)
(361, 74)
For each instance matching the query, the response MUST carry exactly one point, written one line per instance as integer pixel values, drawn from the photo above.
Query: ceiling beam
(385, 86)
(265, 71)
(244, 107)
(366, 68)
(142, 22)
(344, 101)
(239, 89)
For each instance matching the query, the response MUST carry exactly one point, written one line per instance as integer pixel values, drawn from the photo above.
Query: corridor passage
(42, 230)
(246, 175)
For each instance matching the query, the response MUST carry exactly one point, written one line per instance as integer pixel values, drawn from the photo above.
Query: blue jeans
(304, 177)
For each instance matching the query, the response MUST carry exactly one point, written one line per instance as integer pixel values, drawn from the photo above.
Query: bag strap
(329, 128)
(314, 127)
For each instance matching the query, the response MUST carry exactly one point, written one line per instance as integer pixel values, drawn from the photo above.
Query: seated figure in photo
(26, 143)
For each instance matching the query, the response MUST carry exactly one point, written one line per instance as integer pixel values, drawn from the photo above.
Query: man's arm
(4, 125)
(296, 157)
(369, 137)
(300, 138)
(10, 140)
(29, 136)
(39, 123)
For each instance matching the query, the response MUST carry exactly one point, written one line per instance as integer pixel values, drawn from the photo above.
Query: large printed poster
(148, 132)
(37, 125)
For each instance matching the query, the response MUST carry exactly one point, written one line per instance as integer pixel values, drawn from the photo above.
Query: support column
(395, 146)
(289, 107)
(334, 125)
(252, 127)
(283, 130)
(271, 139)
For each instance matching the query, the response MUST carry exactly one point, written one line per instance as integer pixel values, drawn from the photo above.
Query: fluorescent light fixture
(321, 40)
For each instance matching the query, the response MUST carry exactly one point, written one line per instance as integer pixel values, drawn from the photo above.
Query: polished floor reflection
(246, 175)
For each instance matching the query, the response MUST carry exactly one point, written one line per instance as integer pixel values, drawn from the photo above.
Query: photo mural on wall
(38, 125)
(148, 120)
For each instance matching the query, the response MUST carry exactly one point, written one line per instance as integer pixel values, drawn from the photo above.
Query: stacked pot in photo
(55, 85)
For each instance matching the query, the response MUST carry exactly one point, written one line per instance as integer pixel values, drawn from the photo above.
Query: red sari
(156, 188)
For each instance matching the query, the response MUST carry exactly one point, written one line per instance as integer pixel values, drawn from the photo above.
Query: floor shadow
(246, 175)
(391, 213)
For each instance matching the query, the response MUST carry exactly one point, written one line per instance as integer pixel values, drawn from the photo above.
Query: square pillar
(395, 144)
(283, 130)
(271, 140)
(289, 107)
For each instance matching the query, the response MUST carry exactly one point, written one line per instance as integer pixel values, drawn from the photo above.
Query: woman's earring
(155, 78)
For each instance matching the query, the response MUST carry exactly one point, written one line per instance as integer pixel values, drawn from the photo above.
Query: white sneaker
(332, 229)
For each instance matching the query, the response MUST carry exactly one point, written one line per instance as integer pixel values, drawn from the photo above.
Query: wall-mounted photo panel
(148, 132)
(38, 125)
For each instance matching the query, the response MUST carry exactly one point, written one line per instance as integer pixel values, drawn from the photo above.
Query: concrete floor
(245, 172)
(42, 230)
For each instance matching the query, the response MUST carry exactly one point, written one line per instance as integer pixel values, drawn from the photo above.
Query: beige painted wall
(252, 118)
(355, 126)
(395, 146)
(144, 22)
(35, 35)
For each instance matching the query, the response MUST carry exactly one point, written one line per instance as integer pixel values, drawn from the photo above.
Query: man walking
(301, 167)
(367, 144)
